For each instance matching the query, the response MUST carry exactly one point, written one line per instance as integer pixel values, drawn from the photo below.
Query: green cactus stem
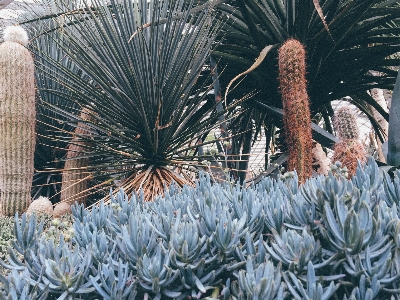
(75, 175)
(17, 122)
(297, 119)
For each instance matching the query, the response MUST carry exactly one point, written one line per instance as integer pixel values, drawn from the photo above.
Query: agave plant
(139, 74)
(344, 40)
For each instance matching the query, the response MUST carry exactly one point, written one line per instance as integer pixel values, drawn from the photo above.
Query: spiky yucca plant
(297, 120)
(141, 64)
(349, 149)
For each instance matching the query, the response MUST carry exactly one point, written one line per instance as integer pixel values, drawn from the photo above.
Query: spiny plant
(342, 35)
(75, 175)
(349, 149)
(17, 121)
(297, 120)
(139, 69)
(330, 238)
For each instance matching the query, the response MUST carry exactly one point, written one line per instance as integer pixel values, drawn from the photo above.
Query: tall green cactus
(393, 155)
(297, 119)
(17, 121)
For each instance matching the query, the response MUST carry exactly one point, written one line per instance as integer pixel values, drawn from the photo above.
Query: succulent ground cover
(330, 238)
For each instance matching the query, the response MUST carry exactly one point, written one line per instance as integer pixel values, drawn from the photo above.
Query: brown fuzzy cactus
(75, 174)
(17, 122)
(349, 149)
(297, 119)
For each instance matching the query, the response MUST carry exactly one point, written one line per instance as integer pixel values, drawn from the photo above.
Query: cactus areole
(297, 119)
(17, 122)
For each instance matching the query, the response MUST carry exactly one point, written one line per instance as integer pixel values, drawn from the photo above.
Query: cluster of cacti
(75, 174)
(331, 238)
(297, 119)
(349, 149)
(17, 122)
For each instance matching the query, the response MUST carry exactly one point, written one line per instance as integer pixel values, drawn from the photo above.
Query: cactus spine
(17, 122)
(349, 149)
(74, 178)
(297, 119)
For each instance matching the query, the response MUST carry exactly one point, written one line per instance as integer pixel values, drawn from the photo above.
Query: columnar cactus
(17, 121)
(74, 178)
(297, 119)
(349, 149)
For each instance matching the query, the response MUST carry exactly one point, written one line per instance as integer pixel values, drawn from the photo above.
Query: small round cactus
(297, 117)
(61, 209)
(41, 206)
(17, 122)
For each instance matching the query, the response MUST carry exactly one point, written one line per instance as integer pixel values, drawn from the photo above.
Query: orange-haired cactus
(75, 174)
(17, 121)
(296, 107)
(349, 149)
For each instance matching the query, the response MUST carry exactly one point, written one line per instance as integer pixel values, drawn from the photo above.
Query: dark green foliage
(331, 238)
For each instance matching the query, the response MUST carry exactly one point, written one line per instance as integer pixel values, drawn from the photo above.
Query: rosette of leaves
(262, 282)
(136, 239)
(114, 286)
(352, 230)
(65, 272)
(392, 188)
(102, 247)
(149, 105)
(315, 288)
(295, 250)
(155, 274)
(371, 264)
(363, 291)
(18, 286)
(245, 202)
(190, 255)
(225, 231)
(276, 211)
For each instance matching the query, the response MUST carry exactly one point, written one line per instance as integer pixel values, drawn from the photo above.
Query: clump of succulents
(6, 234)
(57, 226)
(330, 238)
